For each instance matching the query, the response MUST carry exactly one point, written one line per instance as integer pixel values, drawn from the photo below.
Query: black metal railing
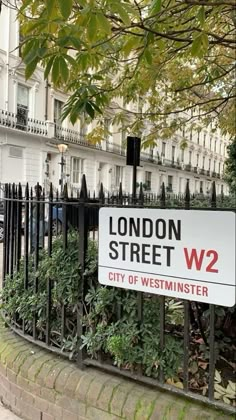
(20, 121)
(50, 289)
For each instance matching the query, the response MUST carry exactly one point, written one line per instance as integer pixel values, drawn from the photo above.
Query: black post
(134, 175)
(49, 281)
(133, 159)
(212, 358)
(5, 239)
(83, 246)
(186, 312)
(62, 163)
(162, 301)
(26, 244)
(18, 227)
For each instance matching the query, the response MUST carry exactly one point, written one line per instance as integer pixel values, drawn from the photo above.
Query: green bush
(131, 346)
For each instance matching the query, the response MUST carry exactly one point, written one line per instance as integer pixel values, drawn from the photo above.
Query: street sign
(187, 254)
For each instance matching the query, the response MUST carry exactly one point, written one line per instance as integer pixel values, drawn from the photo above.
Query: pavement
(5, 414)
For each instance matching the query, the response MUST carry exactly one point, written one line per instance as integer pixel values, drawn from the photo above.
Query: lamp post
(62, 149)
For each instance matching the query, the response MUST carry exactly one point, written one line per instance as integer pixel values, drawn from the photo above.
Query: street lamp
(62, 149)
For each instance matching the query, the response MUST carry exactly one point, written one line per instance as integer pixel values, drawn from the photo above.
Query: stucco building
(30, 130)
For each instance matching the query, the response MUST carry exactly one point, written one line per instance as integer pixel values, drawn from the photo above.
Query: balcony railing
(21, 122)
(62, 134)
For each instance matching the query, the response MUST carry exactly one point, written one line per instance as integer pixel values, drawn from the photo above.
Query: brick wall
(38, 385)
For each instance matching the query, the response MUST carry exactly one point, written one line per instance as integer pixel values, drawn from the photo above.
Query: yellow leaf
(217, 376)
(220, 389)
(176, 384)
(226, 400)
(217, 396)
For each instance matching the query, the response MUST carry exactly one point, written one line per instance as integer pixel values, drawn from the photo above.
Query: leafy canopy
(230, 172)
(178, 55)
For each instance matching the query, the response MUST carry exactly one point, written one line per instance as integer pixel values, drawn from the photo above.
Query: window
(123, 135)
(107, 123)
(209, 165)
(148, 179)
(210, 143)
(77, 166)
(201, 187)
(182, 155)
(173, 153)
(203, 162)
(190, 158)
(191, 134)
(118, 175)
(22, 106)
(215, 145)
(163, 149)
(204, 140)
(198, 137)
(170, 183)
(58, 107)
(197, 160)
(219, 168)
(83, 126)
(214, 168)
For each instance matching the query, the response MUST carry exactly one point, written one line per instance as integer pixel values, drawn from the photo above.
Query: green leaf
(64, 41)
(65, 7)
(148, 56)
(50, 5)
(28, 47)
(155, 6)
(70, 59)
(30, 68)
(196, 45)
(130, 44)
(205, 42)
(64, 72)
(33, 53)
(25, 5)
(89, 109)
(56, 70)
(75, 42)
(103, 23)
(117, 7)
(201, 15)
(48, 67)
(92, 27)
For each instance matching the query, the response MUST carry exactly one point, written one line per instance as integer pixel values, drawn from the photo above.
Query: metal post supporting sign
(133, 159)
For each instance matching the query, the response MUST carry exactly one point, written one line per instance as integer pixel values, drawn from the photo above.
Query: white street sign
(188, 254)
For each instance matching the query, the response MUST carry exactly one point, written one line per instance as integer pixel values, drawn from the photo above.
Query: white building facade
(30, 132)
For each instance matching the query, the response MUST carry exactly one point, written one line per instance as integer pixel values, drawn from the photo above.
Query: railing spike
(163, 195)
(50, 191)
(101, 192)
(187, 196)
(83, 191)
(120, 194)
(141, 194)
(213, 194)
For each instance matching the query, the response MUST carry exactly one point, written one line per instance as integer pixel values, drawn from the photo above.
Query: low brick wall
(37, 385)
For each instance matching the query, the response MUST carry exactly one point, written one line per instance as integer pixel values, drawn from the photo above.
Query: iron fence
(52, 307)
